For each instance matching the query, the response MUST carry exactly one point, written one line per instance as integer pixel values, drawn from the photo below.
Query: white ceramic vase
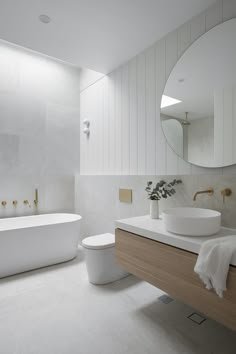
(154, 209)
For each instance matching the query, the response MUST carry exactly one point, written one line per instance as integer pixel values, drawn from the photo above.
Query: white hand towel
(213, 262)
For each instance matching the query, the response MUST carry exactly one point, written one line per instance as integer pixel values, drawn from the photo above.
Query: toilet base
(101, 266)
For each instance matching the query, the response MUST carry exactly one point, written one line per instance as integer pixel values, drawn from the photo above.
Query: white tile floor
(56, 311)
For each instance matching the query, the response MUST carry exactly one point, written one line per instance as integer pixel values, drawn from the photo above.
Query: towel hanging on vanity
(213, 262)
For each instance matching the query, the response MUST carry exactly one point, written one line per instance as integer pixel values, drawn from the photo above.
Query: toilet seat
(99, 242)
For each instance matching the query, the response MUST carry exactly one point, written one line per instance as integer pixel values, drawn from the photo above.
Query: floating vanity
(165, 260)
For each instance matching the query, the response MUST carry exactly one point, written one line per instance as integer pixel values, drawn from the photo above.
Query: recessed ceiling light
(168, 101)
(44, 19)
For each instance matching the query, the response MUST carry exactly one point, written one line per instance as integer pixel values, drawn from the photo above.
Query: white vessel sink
(192, 221)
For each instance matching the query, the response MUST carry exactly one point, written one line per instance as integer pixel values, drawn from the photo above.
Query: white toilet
(100, 259)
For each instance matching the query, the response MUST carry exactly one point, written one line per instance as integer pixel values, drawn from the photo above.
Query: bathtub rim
(16, 222)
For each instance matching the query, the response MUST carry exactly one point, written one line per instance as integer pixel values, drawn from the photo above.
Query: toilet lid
(99, 241)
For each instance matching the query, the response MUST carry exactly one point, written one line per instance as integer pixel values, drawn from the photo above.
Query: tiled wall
(39, 114)
(39, 130)
(97, 198)
(126, 136)
(55, 194)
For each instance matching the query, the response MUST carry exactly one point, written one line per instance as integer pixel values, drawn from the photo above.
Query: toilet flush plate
(125, 195)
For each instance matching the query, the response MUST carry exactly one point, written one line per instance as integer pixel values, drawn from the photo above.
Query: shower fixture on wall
(185, 121)
(36, 198)
(86, 129)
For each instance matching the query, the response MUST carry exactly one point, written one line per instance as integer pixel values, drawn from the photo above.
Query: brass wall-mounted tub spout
(36, 200)
(209, 191)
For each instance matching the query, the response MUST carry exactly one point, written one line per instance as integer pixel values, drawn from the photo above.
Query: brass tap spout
(36, 200)
(208, 191)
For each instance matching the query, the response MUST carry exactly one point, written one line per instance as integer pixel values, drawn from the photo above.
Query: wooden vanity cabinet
(172, 270)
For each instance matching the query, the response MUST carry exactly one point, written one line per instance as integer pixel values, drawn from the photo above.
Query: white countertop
(154, 230)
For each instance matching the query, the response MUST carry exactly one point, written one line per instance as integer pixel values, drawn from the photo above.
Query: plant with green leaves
(162, 189)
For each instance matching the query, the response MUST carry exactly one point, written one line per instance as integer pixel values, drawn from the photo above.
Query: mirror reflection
(198, 108)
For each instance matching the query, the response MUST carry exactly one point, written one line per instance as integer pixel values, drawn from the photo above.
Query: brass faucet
(208, 191)
(226, 193)
(26, 202)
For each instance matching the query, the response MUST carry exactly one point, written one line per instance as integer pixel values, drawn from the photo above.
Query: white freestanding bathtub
(36, 241)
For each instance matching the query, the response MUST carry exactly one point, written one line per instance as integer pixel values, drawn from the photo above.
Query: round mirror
(198, 107)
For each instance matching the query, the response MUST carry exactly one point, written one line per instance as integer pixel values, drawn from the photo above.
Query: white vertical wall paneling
(228, 126)
(125, 124)
(97, 131)
(118, 128)
(229, 9)
(161, 145)
(93, 137)
(150, 112)
(171, 52)
(214, 15)
(141, 111)
(128, 107)
(112, 128)
(184, 38)
(82, 140)
(89, 157)
(133, 131)
(106, 128)
(87, 146)
(197, 27)
(100, 127)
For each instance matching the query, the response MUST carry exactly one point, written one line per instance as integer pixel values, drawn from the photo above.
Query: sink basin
(192, 221)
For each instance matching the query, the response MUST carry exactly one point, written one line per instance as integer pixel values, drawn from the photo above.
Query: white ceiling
(96, 34)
